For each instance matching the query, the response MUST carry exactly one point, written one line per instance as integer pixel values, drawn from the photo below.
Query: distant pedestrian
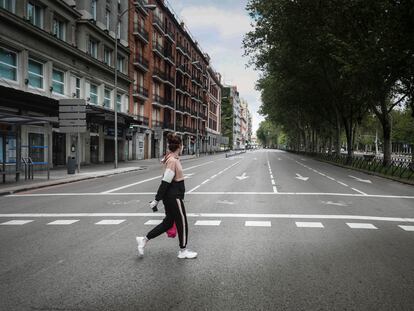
(171, 192)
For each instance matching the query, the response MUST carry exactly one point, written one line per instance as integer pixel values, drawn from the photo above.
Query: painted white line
(258, 224)
(131, 185)
(354, 225)
(150, 179)
(273, 183)
(271, 176)
(329, 177)
(208, 223)
(110, 222)
(300, 224)
(226, 202)
(63, 222)
(207, 180)
(407, 228)
(363, 193)
(215, 215)
(343, 184)
(153, 222)
(16, 222)
(274, 189)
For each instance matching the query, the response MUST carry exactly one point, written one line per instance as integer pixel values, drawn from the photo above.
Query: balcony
(168, 125)
(181, 69)
(141, 6)
(156, 123)
(169, 103)
(179, 108)
(197, 81)
(187, 110)
(168, 56)
(140, 92)
(141, 33)
(179, 128)
(142, 121)
(141, 62)
(158, 23)
(158, 100)
(158, 48)
(170, 80)
(182, 49)
(159, 75)
(169, 34)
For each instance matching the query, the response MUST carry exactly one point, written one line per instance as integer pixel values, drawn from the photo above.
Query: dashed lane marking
(361, 226)
(153, 222)
(210, 215)
(407, 228)
(110, 222)
(300, 224)
(63, 222)
(209, 179)
(272, 179)
(208, 223)
(150, 179)
(360, 194)
(258, 224)
(16, 222)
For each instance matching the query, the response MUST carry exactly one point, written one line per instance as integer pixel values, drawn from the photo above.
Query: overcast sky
(219, 26)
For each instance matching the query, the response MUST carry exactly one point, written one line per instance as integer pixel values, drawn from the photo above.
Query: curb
(63, 182)
(403, 181)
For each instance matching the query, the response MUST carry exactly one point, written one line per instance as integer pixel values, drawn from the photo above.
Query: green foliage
(327, 65)
(227, 118)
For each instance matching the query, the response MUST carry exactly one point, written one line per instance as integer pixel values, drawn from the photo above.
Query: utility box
(71, 165)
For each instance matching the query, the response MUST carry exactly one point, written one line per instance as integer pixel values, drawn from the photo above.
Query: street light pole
(118, 23)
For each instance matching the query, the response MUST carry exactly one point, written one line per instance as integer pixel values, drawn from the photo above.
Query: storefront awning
(12, 119)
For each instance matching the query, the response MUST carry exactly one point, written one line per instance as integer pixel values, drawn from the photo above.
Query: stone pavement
(60, 176)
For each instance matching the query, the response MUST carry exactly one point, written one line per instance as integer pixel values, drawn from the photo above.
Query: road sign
(72, 129)
(72, 116)
(72, 123)
(73, 109)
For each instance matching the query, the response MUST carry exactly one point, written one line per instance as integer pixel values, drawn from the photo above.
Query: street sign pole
(78, 144)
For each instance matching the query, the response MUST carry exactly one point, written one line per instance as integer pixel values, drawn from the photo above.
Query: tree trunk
(386, 123)
(338, 137)
(349, 139)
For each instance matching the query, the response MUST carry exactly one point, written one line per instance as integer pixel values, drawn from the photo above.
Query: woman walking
(171, 192)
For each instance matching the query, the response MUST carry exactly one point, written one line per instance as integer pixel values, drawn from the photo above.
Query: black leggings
(175, 212)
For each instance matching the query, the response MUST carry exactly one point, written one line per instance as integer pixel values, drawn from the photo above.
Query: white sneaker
(141, 244)
(186, 253)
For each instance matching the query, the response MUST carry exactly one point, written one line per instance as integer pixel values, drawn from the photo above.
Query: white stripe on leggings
(183, 221)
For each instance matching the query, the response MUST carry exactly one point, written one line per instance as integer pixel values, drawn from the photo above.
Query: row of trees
(329, 65)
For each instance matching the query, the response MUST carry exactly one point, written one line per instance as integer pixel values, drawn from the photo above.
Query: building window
(120, 64)
(58, 81)
(59, 28)
(107, 98)
(118, 103)
(35, 74)
(36, 147)
(77, 87)
(93, 9)
(107, 19)
(93, 48)
(93, 96)
(35, 14)
(108, 56)
(9, 5)
(8, 65)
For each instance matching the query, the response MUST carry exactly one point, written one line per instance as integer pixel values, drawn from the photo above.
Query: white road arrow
(300, 177)
(226, 202)
(242, 177)
(367, 181)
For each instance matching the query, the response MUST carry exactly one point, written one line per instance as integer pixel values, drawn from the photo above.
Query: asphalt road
(285, 233)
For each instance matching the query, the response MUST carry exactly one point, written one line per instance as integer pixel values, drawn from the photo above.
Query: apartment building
(170, 81)
(214, 112)
(54, 49)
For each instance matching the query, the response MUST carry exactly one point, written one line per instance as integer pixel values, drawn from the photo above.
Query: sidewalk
(60, 176)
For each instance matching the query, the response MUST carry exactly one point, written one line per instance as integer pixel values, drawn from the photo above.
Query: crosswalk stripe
(361, 226)
(15, 222)
(407, 228)
(153, 222)
(208, 223)
(309, 224)
(258, 224)
(110, 222)
(63, 222)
